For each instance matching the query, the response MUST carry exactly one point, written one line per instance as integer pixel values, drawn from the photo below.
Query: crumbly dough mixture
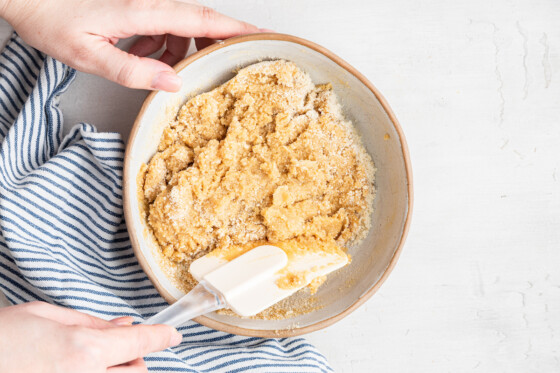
(267, 156)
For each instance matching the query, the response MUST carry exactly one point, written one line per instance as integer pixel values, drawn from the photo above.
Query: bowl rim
(131, 226)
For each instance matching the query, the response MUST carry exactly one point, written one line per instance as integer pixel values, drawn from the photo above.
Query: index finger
(123, 344)
(188, 20)
(65, 315)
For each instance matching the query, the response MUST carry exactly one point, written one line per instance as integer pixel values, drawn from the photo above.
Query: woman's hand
(40, 337)
(82, 34)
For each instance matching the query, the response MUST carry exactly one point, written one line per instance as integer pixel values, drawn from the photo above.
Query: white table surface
(476, 87)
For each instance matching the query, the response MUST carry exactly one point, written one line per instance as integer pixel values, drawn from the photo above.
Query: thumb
(129, 70)
(126, 343)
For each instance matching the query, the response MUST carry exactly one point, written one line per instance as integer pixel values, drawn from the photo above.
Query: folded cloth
(63, 238)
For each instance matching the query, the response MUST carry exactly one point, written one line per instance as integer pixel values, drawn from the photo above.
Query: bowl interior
(372, 257)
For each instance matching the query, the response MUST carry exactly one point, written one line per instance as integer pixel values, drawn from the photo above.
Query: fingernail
(266, 30)
(166, 81)
(122, 321)
(176, 338)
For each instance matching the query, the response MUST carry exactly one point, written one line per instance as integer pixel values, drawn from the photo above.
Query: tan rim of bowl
(263, 332)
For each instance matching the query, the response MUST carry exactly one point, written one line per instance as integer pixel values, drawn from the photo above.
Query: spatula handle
(200, 300)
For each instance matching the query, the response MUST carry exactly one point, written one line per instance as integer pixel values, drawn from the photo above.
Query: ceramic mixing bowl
(372, 260)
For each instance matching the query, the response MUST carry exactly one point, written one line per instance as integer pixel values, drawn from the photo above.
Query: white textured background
(476, 87)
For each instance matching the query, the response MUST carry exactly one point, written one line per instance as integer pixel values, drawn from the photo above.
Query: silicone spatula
(247, 284)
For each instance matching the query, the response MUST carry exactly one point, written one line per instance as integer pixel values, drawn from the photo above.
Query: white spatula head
(263, 276)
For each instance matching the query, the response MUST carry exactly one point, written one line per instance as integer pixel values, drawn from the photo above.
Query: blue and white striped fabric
(63, 237)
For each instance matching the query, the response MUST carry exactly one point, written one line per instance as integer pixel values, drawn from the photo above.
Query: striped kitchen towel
(63, 238)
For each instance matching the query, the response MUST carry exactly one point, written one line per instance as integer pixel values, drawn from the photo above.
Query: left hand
(82, 34)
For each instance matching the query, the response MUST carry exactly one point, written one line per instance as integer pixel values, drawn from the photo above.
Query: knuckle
(124, 74)
(90, 321)
(77, 337)
(207, 14)
(77, 340)
(133, 3)
(82, 345)
(247, 28)
(80, 57)
(143, 345)
(143, 4)
(35, 306)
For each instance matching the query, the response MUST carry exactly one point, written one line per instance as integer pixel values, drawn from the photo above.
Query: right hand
(40, 337)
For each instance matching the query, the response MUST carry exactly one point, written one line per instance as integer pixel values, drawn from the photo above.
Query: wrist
(12, 10)
(4, 8)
